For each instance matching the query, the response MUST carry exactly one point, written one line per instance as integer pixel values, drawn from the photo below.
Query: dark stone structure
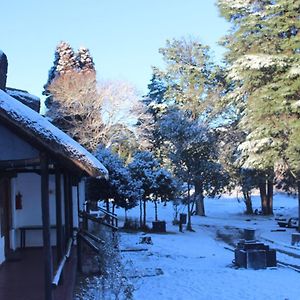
(3, 70)
(159, 226)
(254, 255)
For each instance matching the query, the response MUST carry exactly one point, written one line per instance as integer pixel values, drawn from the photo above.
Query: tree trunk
(266, 195)
(107, 205)
(199, 199)
(125, 217)
(263, 197)
(189, 222)
(141, 214)
(144, 220)
(248, 203)
(155, 204)
(270, 196)
(298, 185)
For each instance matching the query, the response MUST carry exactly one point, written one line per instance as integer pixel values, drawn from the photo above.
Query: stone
(3, 70)
(159, 226)
(271, 258)
(296, 239)
(256, 259)
(249, 234)
(240, 258)
(254, 255)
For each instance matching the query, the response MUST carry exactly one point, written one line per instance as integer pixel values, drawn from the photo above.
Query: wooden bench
(23, 230)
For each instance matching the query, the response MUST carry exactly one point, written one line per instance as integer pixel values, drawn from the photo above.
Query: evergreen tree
(165, 188)
(188, 76)
(85, 60)
(264, 57)
(64, 61)
(194, 155)
(156, 106)
(120, 186)
(143, 168)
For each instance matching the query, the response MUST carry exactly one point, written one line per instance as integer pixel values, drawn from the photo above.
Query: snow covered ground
(198, 265)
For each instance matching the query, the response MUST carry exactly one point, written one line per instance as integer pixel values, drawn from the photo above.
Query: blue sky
(123, 35)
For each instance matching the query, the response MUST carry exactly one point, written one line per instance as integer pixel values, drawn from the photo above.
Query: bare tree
(93, 114)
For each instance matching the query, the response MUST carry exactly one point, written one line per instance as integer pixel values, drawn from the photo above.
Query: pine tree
(156, 105)
(188, 75)
(264, 57)
(84, 60)
(65, 60)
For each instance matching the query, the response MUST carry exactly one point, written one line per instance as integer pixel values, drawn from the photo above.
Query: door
(5, 213)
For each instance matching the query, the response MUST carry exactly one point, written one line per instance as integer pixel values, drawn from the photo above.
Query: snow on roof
(40, 129)
(23, 96)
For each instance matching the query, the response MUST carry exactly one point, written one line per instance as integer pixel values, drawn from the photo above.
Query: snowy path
(196, 265)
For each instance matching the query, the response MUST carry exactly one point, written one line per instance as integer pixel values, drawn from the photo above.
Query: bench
(23, 230)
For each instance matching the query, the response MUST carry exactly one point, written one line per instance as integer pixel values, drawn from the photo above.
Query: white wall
(81, 194)
(29, 185)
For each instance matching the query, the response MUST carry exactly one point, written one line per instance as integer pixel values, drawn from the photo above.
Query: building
(41, 192)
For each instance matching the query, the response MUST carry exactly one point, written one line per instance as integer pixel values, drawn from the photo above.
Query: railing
(92, 236)
(83, 237)
(109, 220)
(93, 242)
(62, 263)
(111, 216)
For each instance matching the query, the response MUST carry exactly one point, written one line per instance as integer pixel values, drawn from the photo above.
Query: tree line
(203, 127)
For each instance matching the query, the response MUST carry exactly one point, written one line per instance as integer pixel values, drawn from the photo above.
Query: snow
(256, 62)
(26, 98)
(50, 136)
(198, 265)
(21, 93)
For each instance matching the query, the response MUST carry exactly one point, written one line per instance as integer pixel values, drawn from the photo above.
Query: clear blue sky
(123, 35)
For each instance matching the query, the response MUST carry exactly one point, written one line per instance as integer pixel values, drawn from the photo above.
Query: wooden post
(79, 254)
(67, 207)
(59, 229)
(78, 199)
(71, 219)
(46, 226)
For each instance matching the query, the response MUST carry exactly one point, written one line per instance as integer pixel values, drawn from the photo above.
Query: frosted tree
(120, 186)
(188, 75)
(96, 113)
(64, 61)
(143, 168)
(156, 104)
(194, 154)
(84, 60)
(263, 59)
(165, 188)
